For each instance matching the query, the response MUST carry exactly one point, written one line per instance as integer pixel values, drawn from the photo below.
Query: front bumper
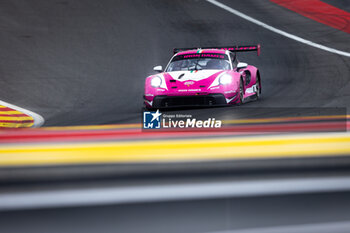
(163, 101)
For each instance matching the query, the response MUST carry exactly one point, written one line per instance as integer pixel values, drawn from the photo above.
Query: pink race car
(203, 77)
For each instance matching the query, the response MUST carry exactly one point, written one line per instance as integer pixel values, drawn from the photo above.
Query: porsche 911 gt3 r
(203, 77)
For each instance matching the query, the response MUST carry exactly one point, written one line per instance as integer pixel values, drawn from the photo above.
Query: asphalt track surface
(85, 62)
(290, 214)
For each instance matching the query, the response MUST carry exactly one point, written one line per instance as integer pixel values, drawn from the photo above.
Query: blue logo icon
(151, 120)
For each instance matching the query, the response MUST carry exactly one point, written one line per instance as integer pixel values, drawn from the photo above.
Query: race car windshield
(199, 61)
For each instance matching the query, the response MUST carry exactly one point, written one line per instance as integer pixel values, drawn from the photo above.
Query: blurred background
(280, 164)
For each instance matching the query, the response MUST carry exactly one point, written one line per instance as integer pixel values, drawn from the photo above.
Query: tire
(258, 89)
(241, 92)
(146, 109)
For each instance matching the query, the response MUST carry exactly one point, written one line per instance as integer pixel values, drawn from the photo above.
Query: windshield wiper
(195, 67)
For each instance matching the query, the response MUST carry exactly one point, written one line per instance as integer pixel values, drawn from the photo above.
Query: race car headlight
(225, 79)
(156, 82)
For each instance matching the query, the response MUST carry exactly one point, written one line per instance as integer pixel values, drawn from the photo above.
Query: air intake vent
(181, 75)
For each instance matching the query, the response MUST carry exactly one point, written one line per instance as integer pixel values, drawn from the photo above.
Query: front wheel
(241, 93)
(258, 89)
(145, 108)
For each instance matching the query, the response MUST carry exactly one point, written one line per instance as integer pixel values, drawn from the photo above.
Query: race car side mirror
(241, 65)
(158, 68)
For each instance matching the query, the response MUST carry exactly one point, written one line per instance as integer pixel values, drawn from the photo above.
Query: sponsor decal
(151, 120)
(194, 89)
(188, 83)
(190, 90)
(230, 91)
(191, 123)
(204, 55)
(200, 55)
(157, 120)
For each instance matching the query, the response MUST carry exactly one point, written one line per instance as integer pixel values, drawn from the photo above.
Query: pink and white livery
(203, 77)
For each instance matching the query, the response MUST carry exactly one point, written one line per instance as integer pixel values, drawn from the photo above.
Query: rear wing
(244, 48)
